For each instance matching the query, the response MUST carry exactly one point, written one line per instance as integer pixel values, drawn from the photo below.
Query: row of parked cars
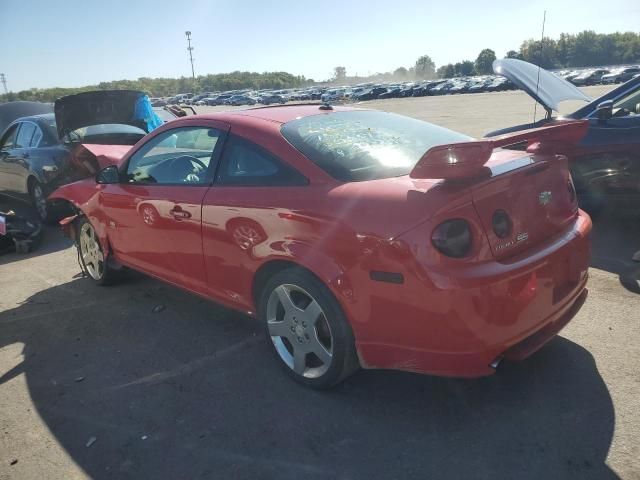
(360, 92)
(373, 91)
(604, 76)
(370, 91)
(239, 97)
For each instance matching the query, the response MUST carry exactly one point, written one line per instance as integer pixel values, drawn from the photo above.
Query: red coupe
(360, 238)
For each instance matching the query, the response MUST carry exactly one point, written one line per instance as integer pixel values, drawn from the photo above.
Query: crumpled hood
(89, 159)
(98, 108)
(105, 154)
(547, 89)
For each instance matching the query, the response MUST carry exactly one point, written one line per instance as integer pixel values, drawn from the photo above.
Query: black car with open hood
(41, 150)
(605, 165)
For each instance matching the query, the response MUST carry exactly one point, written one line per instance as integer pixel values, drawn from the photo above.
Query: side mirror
(108, 175)
(604, 110)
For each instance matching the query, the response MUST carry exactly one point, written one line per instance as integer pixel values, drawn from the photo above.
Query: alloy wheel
(299, 331)
(91, 253)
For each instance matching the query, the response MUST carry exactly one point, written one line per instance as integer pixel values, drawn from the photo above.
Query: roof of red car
(279, 114)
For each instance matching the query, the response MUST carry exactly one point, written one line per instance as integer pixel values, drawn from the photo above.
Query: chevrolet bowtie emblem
(544, 198)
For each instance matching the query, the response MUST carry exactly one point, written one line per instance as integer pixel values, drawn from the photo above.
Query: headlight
(50, 171)
(453, 238)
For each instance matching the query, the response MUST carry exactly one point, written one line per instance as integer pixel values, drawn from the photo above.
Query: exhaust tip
(496, 362)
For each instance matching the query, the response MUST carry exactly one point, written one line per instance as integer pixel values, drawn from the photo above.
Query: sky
(73, 43)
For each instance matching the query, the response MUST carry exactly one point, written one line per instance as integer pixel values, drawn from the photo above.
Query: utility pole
(3, 80)
(190, 48)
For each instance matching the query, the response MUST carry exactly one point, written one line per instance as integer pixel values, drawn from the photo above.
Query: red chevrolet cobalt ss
(359, 238)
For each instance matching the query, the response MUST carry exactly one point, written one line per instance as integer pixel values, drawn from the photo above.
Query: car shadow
(172, 386)
(615, 238)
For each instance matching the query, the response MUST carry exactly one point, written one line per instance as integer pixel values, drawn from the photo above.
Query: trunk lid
(535, 192)
(530, 188)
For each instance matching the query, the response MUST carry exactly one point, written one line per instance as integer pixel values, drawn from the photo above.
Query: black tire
(344, 360)
(38, 196)
(106, 275)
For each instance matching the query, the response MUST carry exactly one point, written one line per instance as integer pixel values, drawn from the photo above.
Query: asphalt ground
(142, 380)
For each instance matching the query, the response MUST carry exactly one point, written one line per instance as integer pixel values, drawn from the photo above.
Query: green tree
(484, 62)
(464, 68)
(425, 68)
(446, 71)
(339, 74)
(541, 53)
(563, 47)
(586, 49)
(400, 72)
(514, 54)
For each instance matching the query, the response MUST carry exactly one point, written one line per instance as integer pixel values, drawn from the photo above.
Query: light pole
(190, 48)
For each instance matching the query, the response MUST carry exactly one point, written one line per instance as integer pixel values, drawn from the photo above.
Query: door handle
(179, 214)
(25, 155)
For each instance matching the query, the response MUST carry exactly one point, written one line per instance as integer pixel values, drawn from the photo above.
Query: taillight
(453, 238)
(501, 224)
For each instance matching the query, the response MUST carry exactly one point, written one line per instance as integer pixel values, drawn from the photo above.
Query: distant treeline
(161, 87)
(585, 49)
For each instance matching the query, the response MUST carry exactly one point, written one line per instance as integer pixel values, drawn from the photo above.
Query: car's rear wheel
(310, 334)
(39, 201)
(92, 257)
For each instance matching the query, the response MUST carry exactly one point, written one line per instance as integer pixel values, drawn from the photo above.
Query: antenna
(535, 105)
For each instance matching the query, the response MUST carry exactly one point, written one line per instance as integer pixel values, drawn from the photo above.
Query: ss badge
(544, 197)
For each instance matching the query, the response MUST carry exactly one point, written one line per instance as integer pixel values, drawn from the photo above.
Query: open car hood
(98, 108)
(545, 87)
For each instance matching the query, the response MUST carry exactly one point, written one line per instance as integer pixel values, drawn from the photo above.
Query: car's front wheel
(310, 334)
(92, 257)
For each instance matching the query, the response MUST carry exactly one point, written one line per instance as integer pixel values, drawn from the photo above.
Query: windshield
(95, 133)
(164, 115)
(365, 145)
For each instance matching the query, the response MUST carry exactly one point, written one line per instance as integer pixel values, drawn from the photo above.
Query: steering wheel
(189, 171)
(196, 161)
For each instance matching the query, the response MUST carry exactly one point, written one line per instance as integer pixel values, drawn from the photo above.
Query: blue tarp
(144, 111)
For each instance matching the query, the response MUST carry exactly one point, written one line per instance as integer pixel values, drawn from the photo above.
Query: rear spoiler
(467, 159)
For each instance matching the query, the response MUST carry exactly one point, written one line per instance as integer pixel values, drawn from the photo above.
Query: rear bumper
(458, 323)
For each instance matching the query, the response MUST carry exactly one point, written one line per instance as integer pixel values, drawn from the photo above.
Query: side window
(9, 139)
(244, 163)
(628, 102)
(177, 156)
(37, 137)
(24, 134)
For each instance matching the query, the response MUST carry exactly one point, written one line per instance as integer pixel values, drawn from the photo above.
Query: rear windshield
(365, 145)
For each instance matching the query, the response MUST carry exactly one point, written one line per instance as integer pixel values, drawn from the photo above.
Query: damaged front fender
(84, 199)
(68, 226)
